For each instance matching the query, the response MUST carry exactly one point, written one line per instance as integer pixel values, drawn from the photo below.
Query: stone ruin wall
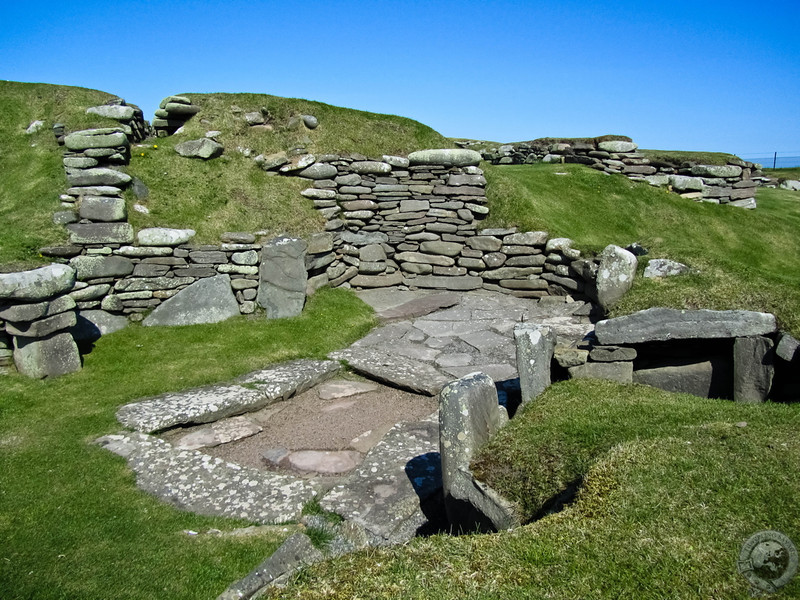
(734, 183)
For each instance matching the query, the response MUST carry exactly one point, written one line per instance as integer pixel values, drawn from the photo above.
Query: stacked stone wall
(734, 183)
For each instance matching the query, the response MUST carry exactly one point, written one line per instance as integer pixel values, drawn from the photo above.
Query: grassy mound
(673, 486)
(231, 193)
(679, 157)
(72, 522)
(227, 194)
(32, 172)
(741, 259)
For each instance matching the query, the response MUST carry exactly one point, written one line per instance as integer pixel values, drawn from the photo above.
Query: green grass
(742, 259)
(783, 174)
(678, 157)
(32, 173)
(72, 522)
(672, 489)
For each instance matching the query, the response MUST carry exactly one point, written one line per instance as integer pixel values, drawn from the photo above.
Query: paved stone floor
(386, 485)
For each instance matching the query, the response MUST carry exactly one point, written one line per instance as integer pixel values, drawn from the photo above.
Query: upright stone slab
(614, 275)
(51, 356)
(469, 414)
(753, 368)
(209, 300)
(282, 278)
(535, 347)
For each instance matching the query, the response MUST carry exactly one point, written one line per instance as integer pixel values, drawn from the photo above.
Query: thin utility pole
(774, 160)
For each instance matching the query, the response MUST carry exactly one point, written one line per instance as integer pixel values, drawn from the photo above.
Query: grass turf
(673, 486)
(741, 259)
(73, 524)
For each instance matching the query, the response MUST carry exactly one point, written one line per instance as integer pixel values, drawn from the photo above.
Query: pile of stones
(172, 114)
(95, 196)
(734, 183)
(130, 117)
(36, 314)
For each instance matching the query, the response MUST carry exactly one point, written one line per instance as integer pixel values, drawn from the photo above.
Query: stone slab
(398, 371)
(196, 482)
(386, 492)
(52, 356)
(207, 404)
(753, 368)
(662, 324)
(208, 300)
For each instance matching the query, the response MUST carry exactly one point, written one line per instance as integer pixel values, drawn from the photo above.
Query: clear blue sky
(719, 76)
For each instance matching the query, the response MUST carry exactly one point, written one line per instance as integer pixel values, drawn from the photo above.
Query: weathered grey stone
(614, 275)
(103, 208)
(445, 157)
(204, 485)
(248, 393)
(790, 184)
(296, 552)
(92, 324)
(282, 277)
(204, 148)
(163, 236)
(716, 170)
(80, 162)
(617, 146)
(47, 357)
(786, 349)
(365, 167)
(98, 176)
(469, 414)
(753, 368)
(441, 248)
(248, 257)
(363, 238)
(399, 371)
(42, 327)
(530, 238)
(112, 111)
(101, 233)
(427, 259)
(749, 203)
(396, 161)
(660, 324)
(510, 273)
(570, 357)
(485, 243)
(562, 245)
(466, 282)
(37, 284)
(65, 217)
(398, 478)
(535, 346)
(682, 183)
(621, 372)
(22, 313)
(319, 171)
(612, 353)
(208, 300)
(271, 162)
(377, 281)
(372, 253)
(662, 267)
(144, 252)
(458, 179)
(310, 121)
(95, 267)
(709, 378)
(180, 110)
(96, 138)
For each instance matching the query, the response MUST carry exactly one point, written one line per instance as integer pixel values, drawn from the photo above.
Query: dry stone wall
(734, 183)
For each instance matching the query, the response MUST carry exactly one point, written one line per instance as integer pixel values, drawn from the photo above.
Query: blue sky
(717, 76)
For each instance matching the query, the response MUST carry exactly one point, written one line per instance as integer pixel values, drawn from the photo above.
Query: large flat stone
(535, 347)
(98, 176)
(93, 267)
(207, 404)
(196, 482)
(208, 300)
(398, 371)
(445, 157)
(385, 495)
(101, 233)
(462, 283)
(615, 275)
(661, 324)
(621, 372)
(37, 284)
(419, 307)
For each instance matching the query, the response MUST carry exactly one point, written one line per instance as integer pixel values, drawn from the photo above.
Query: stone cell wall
(733, 184)
(415, 222)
